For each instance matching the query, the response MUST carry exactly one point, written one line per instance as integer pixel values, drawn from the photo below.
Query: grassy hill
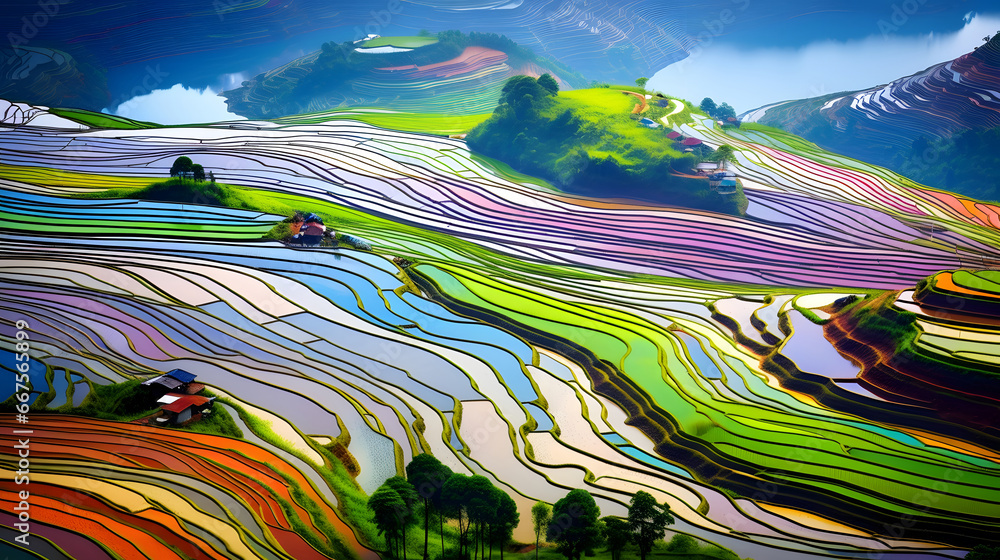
(590, 142)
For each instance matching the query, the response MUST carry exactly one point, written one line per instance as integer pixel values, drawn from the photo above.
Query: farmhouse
(180, 409)
(177, 380)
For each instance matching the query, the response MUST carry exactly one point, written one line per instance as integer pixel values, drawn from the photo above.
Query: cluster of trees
(183, 165)
(966, 163)
(984, 552)
(486, 516)
(575, 525)
(718, 112)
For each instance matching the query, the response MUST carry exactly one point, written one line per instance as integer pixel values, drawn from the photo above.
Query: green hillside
(591, 142)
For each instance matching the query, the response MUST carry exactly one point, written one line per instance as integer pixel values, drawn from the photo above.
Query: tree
(541, 514)
(647, 521)
(389, 512)
(181, 164)
(409, 496)
(549, 83)
(428, 475)
(724, 154)
(725, 112)
(525, 96)
(574, 526)
(683, 544)
(455, 493)
(616, 536)
(506, 519)
(198, 171)
(984, 552)
(708, 106)
(641, 82)
(481, 503)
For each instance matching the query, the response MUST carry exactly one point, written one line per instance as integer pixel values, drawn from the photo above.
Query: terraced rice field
(468, 84)
(550, 341)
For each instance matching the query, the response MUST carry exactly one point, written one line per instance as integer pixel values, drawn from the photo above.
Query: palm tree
(725, 154)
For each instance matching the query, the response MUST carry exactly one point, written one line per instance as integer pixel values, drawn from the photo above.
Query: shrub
(683, 544)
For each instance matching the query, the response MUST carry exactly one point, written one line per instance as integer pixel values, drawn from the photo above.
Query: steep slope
(883, 125)
(44, 76)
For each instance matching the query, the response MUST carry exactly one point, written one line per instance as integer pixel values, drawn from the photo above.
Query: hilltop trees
(641, 82)
(182, 164)
(549, 83)
(719, 112)
(725, 112)
(525, 96)
(575, 525)
(708, 105)
(647, 521)
(184, 167)
(587, 142)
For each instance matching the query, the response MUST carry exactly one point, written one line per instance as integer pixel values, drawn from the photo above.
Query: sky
(750, 73)
(749, 53)
(177, 105)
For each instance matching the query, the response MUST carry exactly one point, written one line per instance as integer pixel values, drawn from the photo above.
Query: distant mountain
(449, 73)
(909, 125)
(51, 77)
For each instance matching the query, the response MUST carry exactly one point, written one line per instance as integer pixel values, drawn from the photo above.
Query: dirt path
(642, 100)
(680, 107)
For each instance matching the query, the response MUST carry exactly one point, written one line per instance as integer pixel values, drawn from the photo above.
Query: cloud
(749, 78)
(232, 81)
(177, 105)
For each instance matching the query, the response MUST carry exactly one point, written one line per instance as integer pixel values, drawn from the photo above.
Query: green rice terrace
(352, 333)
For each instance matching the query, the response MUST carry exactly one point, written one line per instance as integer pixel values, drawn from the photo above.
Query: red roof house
(181, 409)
